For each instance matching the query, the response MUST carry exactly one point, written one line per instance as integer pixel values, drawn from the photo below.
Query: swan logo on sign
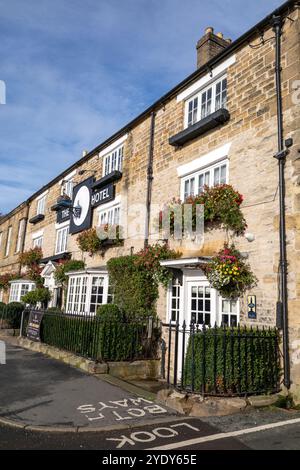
(81, 219)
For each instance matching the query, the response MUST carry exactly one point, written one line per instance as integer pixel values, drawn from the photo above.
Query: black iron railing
(100, 340)
(223, 361)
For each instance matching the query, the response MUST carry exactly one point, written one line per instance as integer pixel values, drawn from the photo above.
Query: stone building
(220, 125)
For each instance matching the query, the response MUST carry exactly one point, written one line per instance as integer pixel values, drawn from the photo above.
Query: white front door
(201, 303)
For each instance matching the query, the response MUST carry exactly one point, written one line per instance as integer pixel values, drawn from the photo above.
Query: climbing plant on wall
(135, 279)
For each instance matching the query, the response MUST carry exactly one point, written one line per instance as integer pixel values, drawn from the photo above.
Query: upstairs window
(212, 176)
(8, 241)
(41, 205)
(110, 216)
(67, 188)
(37, 242)
(21, 231)
(61, 240)
(206, 102)
(113, 161)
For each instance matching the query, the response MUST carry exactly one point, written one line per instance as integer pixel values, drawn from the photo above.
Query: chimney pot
(84, 153)
(210, 45)
(209, 29)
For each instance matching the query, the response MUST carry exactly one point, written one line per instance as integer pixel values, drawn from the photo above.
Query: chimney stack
(210, 45)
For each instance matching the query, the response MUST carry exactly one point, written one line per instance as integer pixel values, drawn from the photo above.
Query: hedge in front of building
(11, 314)
(101, 339)
(233, 361)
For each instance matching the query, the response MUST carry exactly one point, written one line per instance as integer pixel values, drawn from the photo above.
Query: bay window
(86, 291)
(18, 289)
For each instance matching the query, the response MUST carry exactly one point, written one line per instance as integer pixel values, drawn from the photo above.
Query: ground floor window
(196, 302)
(229, 312)
(86, 292)
(175, 297)
(19, 289)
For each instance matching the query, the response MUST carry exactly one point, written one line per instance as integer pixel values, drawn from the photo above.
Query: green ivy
(135, 279)
(70, 265)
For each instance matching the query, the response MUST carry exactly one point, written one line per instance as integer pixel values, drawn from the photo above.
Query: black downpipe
(281, 156)
(149, 178)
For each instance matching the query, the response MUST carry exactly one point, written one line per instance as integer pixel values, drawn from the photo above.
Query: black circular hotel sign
(82, 219)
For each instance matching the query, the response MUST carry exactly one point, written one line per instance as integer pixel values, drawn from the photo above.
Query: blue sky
(77, 71)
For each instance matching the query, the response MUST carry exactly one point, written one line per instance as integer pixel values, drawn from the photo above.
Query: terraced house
(222, 125)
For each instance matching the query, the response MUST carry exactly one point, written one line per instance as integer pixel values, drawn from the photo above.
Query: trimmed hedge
(11, 314)
(97, 339)
(233, 361)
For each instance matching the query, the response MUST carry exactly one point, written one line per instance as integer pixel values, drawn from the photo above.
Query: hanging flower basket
(221, 209)
(229, 274)
(89, 241)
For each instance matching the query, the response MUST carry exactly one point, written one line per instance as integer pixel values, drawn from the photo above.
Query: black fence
(101, 340)
(222, 361)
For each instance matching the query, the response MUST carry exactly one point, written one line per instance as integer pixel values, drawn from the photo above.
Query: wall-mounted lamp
(66, 203)
(82, 172)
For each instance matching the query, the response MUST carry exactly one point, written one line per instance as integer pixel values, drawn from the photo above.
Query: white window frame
(17, 290)
(189, 279)
(209, 170)
(61, 242)
(37, 242)
(230, 313)
(108, 212)
(67, 184)
(198, 115)
(21, 231)
(1, 239)
(178, 299)
(41, 204)
(38, 239)
(79, 293)
(8, 240)
(113, 161)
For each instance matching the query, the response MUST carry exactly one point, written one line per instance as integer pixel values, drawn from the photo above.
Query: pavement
(38, 391)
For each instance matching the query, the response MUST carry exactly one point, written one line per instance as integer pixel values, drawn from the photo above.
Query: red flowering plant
(229, 273)
(6, 278)
(149, 259)
(31, 259)
(221, 208)
(93, 240)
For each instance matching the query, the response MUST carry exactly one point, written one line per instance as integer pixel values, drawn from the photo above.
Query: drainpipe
(24, 235)
(149, 179)
(276, 22)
